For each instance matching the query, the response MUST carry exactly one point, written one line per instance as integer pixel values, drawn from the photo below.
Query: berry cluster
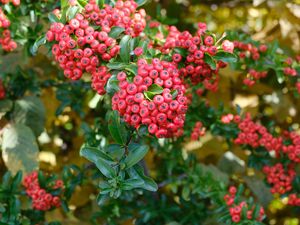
(294, 200)
(5, 36)
(256, 135)
(249, 54)
(80, 48)
(198, 131)
(293, 149)
(286, 146)
(248, 50)
(2, 90)
(253, 76)
(41, 199)
(236, 209)
(196, 46)
(154, 98)
(280, 178)
(288, 70)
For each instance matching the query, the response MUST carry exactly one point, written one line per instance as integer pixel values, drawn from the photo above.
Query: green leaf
(16, 181)
(19, 148)
(181, 51)
(186, 193)
(42, 179)
(101, 3)
(144, 45)
(5, 105)
(117, 129)
(138, 172)
(141, 2)
(153, 90)
(115, 151)
(93, 154)
(125, 49)
(105, 168)
(40, 41)
(133, 43)
(71, 12)
(174, 94)
(136, 154)
(53, 18)
(132, 183)
(143, 130)
(30, 111)
(6, 180)
(116, 31)
(156, 89)
(82, 3)
(112, 84)
(225, 56)
(210, 61)
(116, 65)
(132, 68)
(64, 3)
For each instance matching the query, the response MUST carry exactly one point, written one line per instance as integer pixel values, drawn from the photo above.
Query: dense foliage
(125, 97)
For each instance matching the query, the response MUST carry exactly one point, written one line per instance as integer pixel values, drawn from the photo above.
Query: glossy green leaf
(93, 154)
(141, 2)
(210, 61)
(117, 129)
(53, 18)
(71, 12)
(116, 32)
(125, 49)
(82, 3)
(112, 85)
(116, 65)
(115, 151)
(132, 68)
(153, 90)
(174, 94)
(105, 168)
(132, 183)
(100, 3)
(40, 41)
(225, 56)
(136, 153)
(138, 172)
(16, 181)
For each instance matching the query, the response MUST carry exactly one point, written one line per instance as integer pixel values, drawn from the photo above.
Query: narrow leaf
(117, 129)
(210, 61)
(116, 31)
(125, 48)
(225, 56)
(136, 153)
(105, 168)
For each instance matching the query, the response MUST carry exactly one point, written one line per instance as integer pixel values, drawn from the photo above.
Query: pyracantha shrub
(42, 198)
(79, 46)
(154, 98)
(5, 35)
(241, 211)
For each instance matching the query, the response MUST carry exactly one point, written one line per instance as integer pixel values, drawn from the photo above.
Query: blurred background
(263, 20)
